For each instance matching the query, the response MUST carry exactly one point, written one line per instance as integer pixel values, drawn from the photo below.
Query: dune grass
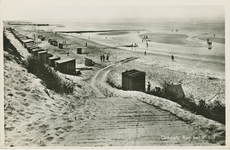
(160, 78)
(49, 76)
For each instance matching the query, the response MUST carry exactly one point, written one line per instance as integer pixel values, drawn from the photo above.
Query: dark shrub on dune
(49, 76)
(214, 111)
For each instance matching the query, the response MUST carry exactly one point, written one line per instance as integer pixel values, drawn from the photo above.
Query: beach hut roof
(27, 40)
(133, 73)
(65, 60)
(81, 47)
(54, 57)
(38, 49)
(41, 52)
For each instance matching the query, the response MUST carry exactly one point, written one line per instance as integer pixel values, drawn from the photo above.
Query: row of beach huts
(67, 65)
(131, 80)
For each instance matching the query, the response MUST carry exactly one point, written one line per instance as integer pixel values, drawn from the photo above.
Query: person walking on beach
(107, 58)
(172, 57)
(145, 52)
(86, 44)
(67, 53)
(103, 57)
(149, 86)
(147, 44)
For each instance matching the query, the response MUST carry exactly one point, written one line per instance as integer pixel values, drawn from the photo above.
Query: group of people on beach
(103, 57)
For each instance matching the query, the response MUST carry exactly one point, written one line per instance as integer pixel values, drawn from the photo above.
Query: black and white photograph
(113, 74)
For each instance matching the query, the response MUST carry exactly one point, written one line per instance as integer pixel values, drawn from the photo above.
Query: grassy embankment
(193, 101)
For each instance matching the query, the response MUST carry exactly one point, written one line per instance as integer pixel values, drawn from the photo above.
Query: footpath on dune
(35, 116)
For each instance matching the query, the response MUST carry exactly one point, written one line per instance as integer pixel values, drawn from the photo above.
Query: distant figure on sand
(67, 53)
(214, 35)
(107, 57)
(149, 86)
(101, 57)
(172, 58)
(147, 44)
(86, 44)
(145, 52)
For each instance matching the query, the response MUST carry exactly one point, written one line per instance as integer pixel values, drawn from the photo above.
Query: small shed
(31, 48)
(46, 57)
(54, 43)
(42, 38)
(79, 50)
(51, 60)
(41, 55)
(35, 51)
(60, 45)
(177, 90)
(67, 65)
(28, 45)
(133, 80)
(26, 42)
(88, 62)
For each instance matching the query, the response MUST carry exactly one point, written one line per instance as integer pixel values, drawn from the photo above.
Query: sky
(126, 9)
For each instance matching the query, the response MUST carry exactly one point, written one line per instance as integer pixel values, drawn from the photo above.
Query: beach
(98, 117)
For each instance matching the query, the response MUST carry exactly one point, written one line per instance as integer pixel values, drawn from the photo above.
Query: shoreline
(94, 31)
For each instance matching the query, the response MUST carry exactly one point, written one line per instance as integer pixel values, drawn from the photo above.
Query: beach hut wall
(46, 57)
(88, 62)
(51, 61)
(133, 80)
(79, 50)
(55, 43)
(35, 52)
(66, 65)
(43, 39)
(26, 42)
(60, 45)
(41, 55)
(28, 45)
(31, 48)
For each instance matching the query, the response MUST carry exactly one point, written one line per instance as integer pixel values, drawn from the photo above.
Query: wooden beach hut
(27, 41)
(133, 80)
(32, 47)
(54, 43)
(67, 65)
(35, 51)
(28, 45)
(80, 50)
(51, 60)
(41, 55)
(88, 62)
(46, 57)
(60, 45)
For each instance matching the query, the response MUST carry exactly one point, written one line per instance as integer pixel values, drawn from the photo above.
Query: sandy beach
(37, 116)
